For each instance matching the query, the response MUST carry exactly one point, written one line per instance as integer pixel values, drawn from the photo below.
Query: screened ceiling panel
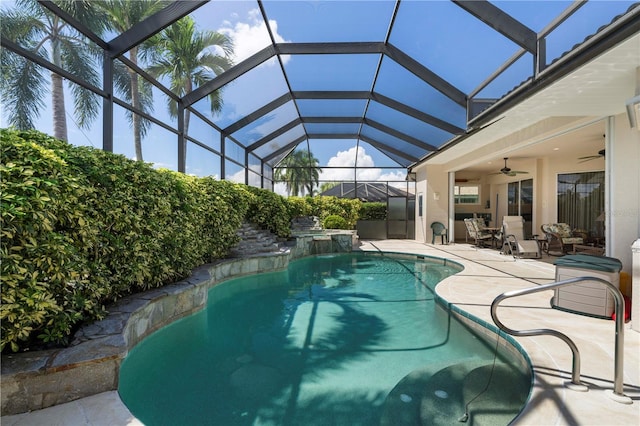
(584, 22)
(278, 142)
(332, 21)
(531, 14)
(327, 72)
(278, 158)
(267, 124)
(375, 156)
(400, 160)
(407, 124)
(400, 84)
(464, 53)
(249, 92)
(240, 20)
(512, 77)
(332, 107)
(409, 147)
(389, 80)
(332, 128)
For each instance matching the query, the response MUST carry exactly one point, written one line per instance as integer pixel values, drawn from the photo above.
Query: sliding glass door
(581, 202)
(520, 202)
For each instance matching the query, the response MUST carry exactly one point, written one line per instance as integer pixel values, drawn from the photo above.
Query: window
(467, 194)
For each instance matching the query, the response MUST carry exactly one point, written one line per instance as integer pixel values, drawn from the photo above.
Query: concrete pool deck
(486, 275)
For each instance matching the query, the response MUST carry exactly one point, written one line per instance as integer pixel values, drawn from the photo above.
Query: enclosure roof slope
(365, 191)
(403, 77)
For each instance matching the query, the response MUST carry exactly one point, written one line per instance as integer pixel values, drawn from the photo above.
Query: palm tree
(327, 186)
(313, 175)
(189, 58)
(299, 170)
(23, 82)
(122, 15)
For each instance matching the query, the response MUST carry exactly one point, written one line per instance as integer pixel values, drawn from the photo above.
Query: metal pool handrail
(575, 373)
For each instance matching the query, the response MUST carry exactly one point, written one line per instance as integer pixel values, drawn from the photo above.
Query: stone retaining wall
(91, 365)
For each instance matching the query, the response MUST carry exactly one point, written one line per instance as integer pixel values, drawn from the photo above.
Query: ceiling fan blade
(585, 159)
(601, 153)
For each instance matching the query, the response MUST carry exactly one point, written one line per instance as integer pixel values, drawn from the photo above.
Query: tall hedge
(347, 208)
(48, 278)
(373, 211)
(269, 210)
(82, 227)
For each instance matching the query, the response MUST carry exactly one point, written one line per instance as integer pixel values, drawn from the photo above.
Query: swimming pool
(353, 339)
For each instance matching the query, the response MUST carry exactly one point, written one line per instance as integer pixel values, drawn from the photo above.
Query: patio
(486, 275)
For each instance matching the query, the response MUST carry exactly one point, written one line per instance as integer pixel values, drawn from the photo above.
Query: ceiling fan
(591, 157)
(506, 170)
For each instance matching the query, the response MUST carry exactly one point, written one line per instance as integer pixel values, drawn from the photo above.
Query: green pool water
(353, 339)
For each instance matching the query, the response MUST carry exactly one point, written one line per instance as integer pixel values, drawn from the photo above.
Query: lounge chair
(475, 231)
(560, 237)
(514, 242)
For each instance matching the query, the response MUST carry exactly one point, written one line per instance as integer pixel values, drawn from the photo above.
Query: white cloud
(251, 36)
(347, 159)
(281, 189)
(237, 177)
(394, 176)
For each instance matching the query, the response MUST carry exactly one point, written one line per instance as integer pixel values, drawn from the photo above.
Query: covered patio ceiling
(406, 78)
(565, 119)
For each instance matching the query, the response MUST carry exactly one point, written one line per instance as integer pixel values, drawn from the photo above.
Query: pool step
(425, 397)
(254, 240)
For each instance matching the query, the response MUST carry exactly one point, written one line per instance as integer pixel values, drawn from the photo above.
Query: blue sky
(419, 31)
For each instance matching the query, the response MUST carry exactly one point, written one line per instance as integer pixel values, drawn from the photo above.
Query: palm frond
(80, 62)
(84, 11)
(215, 39)
(122, 84)
(22, 86)
(217, 64)
(22, 28)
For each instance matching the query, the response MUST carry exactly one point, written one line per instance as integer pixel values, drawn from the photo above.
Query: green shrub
(82, 227)
(346, 208)
(335, 222)
(270, 211)
(298, 206)
(373, 211)
(48, 275)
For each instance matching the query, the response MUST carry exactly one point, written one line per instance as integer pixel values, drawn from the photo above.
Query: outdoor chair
(475, 231)
(439, 230)
(560, 238)
(514, 242)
